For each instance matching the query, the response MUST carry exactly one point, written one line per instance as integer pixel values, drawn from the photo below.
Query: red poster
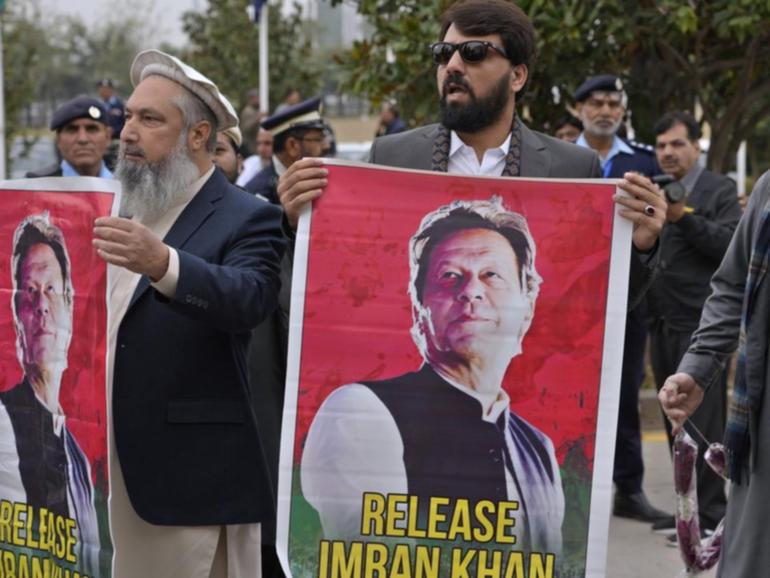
(453, 377)
(54, 479)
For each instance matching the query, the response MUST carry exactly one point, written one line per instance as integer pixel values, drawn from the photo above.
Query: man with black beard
(194, 266)
(484, 60)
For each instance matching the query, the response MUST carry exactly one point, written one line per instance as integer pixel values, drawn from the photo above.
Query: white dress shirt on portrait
(354, 446)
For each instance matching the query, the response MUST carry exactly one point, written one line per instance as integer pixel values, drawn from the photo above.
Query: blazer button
(188, 298)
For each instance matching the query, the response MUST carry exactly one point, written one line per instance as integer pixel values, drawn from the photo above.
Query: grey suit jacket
(542, 156)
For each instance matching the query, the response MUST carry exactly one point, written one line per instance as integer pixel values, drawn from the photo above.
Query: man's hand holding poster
(54, 480)
(453, 377)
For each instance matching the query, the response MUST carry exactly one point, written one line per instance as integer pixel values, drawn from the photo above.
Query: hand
(644, 193)
(680, 396)
(303, 181)
(129, 244)
(675, 211)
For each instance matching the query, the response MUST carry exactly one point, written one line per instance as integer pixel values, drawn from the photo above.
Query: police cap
(306, 115)
(603, 83)
(79, 107)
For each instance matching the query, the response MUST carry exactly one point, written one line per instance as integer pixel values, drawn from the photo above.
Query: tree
(672, 54)
(225, 47)
(23, 42)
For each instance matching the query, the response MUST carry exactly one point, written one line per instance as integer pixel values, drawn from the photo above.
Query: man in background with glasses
(298, 132)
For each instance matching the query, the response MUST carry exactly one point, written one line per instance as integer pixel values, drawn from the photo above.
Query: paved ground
(633, 550)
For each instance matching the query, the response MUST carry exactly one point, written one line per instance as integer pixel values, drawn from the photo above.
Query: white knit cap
(151, 62)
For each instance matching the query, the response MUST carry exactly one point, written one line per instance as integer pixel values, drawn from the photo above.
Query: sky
(166, 15)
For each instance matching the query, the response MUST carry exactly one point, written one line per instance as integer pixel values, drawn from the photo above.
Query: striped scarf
(747, 392)
(440, 158)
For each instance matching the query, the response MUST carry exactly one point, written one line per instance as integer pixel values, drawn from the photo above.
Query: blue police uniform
(265, 183)
(116, 112)
(628, 471)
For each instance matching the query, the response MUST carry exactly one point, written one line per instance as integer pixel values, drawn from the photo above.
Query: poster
(54, 478)
(453, 377)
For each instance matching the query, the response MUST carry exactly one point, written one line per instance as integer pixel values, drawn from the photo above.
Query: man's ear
(293, 147)
(198, 136)
(519, 76)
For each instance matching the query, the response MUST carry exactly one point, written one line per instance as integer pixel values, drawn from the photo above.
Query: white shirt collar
(57, 418)
(278, 165)
(456, 143)
(500, 404)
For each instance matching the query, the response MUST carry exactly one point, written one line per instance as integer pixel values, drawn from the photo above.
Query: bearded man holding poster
(446, 429)
(194, 264)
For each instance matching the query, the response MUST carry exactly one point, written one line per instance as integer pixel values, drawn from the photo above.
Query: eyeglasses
(315, 139)
(471, 51)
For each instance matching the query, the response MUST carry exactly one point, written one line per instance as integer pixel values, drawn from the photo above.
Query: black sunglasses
(471, 51)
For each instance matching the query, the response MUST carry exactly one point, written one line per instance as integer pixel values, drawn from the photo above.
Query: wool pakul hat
(234, 134)
(603, 83)
(156, 62)
(306, 114)
(79, 107)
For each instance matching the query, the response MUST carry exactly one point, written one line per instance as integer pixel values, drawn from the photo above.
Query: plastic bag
(698, 555)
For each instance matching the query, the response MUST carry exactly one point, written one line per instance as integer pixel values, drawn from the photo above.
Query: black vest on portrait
(449, 450)
(42, 457)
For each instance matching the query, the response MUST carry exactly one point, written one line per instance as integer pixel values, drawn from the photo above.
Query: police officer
(601, 103)
(115, 107)
(298, 132)
(82, 137)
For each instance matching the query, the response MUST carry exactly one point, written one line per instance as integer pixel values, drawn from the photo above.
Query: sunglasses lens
(442, 52)
(473, 51)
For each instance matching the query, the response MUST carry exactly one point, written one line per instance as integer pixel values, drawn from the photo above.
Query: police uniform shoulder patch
(641, 146)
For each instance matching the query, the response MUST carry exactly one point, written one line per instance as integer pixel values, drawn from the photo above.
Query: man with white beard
(194, 267)
(601, 103)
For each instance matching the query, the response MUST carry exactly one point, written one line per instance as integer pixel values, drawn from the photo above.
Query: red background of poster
(83, 388)
(358, 314)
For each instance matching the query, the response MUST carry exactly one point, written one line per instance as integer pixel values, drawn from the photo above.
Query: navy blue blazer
(185, 432)
(265, 183)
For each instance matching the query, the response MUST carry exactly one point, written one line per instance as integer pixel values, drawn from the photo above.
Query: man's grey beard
(592, 128)
(151, 189)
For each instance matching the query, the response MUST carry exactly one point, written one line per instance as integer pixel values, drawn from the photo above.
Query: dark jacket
(49, 171)
(691, 250)
(185, 433)
(265, 183)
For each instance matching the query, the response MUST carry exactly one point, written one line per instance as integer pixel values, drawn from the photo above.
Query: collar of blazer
(535, 156)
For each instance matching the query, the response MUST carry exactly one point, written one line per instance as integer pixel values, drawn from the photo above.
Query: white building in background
(340, 25)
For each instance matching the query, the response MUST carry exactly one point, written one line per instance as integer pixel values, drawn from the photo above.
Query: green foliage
(23, 42)
(50, 58)
(394, 63)
(672, 54)
(77, 56)
(225, 47)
